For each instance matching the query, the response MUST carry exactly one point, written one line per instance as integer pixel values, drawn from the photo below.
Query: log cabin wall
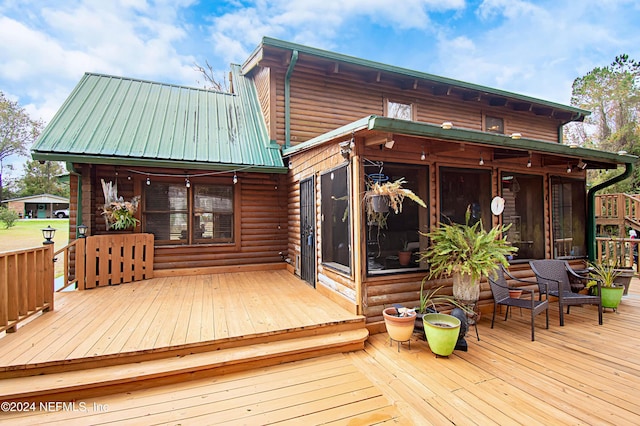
(322, 101)
(260, 219)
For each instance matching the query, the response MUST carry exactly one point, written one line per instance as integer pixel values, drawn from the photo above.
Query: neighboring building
(37, 206)
(338, 122)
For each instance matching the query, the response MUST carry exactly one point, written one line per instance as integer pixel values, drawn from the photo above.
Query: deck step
(73, 385)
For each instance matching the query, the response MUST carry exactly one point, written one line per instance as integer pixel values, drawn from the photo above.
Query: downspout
(591, 212)
(287, 99)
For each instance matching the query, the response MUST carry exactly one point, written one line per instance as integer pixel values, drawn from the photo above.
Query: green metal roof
(413, 128)
(117, 120)
(576, 114)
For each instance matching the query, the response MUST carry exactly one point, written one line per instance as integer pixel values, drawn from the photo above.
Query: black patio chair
(500, 290)
(554, 276)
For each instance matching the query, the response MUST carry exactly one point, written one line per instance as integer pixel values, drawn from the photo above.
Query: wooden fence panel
(26, 285)
(118, 259)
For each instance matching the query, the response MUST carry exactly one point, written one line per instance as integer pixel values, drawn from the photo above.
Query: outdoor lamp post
(47, 234)
(82, 231)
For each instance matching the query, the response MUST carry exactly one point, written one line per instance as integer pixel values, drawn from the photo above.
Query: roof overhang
(147, 162)
(595, 158)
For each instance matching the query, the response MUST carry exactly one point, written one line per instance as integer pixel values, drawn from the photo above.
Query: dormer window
(493, 125)
(400, 110)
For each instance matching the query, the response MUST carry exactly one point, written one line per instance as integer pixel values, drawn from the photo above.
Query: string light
(423, 156)
(148, 181)
(481, 162)
(529, 161)
(568, 168)
(235, 178)
(187, 183)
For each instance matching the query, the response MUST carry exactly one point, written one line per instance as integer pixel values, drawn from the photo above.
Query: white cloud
(318, 23)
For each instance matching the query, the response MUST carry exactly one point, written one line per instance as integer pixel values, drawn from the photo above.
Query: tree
(17, 131)
(612, 94)
(41, 179)
(210, 81)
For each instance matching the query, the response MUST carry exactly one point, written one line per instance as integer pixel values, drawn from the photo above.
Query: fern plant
(467, 249)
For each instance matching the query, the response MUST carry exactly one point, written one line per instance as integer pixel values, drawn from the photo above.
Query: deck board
(581, 373)
(166, 312)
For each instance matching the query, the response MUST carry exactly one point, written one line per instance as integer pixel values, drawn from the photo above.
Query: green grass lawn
(27, 233)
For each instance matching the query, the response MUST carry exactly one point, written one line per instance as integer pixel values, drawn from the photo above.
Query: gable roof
(124, 121)
(439, 85)
(40, 198)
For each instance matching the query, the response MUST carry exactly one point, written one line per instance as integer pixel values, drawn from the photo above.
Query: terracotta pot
(400, 329)
(515, 294)
(404, 257)
(442, 333)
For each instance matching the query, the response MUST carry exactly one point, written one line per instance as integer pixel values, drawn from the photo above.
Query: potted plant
(442, 332)
(467, 252)
(405, 254)
(399, 323)
(382, 196)
(431, 301)
(118, 214)
(610, 289)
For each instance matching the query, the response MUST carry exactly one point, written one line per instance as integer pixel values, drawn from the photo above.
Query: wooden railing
(72, 268)
(618, 210)
(102, 260)
(26, 285)
(118, 259)
(618, 252)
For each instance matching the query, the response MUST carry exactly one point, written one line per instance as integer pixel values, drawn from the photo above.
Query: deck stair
(321, 329)
(91, 382)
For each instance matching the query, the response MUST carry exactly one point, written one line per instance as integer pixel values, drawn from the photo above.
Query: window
(399, 110)
(336, 246)
(200, 214)
(493, 125)
(462, 188)
(524, 210)
(401, 231)
(568, 198)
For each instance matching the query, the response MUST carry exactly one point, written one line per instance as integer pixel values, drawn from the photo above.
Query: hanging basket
(379, 203)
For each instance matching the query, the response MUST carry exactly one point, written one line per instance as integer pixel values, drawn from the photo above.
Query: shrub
(9, 217)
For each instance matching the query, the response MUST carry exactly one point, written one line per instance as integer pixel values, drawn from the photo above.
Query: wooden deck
(581, 373)
(170, 316)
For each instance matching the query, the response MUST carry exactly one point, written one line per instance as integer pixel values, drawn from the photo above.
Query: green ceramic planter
(442, 332)
(611, 296)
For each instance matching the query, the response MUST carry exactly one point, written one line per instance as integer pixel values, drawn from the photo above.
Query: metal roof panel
(122, 118)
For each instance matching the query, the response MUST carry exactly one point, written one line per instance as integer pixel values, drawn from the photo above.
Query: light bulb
(148, 181)
(423, 156)
(235, 178)
(481, 162)
(187, 183)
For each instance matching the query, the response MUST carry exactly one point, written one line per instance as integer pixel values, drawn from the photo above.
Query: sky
(532, 47)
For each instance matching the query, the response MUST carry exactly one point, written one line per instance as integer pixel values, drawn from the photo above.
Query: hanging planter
(441, 331)
(380, 203)
(382, 197)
